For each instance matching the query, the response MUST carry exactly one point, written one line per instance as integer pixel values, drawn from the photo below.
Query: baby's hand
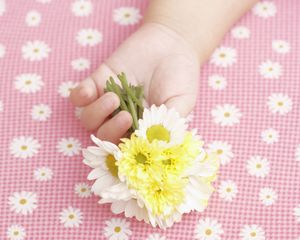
(155, 57)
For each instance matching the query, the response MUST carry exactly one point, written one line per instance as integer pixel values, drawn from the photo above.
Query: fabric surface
(248, 111)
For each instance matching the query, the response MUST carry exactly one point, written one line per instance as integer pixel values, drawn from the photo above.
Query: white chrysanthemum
(82, 8)
(43, 174)
(208, 229)
(226, 115)
(267, 196)
(69, 146)
(16, 232)
(65, 88)
(156, 236)
(222, 149)
(1, 106)
(217, 82)
(2, 50)
(24, 147)
(297, 213)
(270, 136)
(258, 166)
(23, 202)
(117, 229)
(224, 57)
(83, 190)
(252, 232)
(264, 9)
(40, 112)
(240, 32)
(279, 103)
(297, 153)
(127, 15)
(71, 217)
(33, 19)
(35, 51)
(2, 7)
(270, 70)
(78, 111)
(81, 64)
(227, 190)
(162, 124)
(89, 37)
(28, 83)
(281, 46)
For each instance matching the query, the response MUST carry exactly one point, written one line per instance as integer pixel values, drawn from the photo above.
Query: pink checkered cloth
(247, 110)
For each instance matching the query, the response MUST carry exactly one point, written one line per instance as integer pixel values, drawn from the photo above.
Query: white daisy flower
(40, 112)
(43, 1)
(83, 190)
(28, 83)
(280, 103)
(16, 232)
(156, 236)
(240, 32)
(226, 115)
(43, 174)
(117, 229)
(252, 232)
(23, 202)
(270, 136)
(81, 64)
(35, 51)
(162, 124)
(267, 196)
(71, 217)
(127, 15)
(24, 147)
(258, 166)
(1, 106)
(227, 190)
(297, 213)
(224, 57)
(33, 18)
(2, 7)
(89, 37)
(297, 153)
(69, 146)
(65, 88)
(270, 70)
(78, 111)
(208, 229)
(281, 46)
(2, 50)
(217, 82)
(264, 9)
(82, 8)
(222, 149)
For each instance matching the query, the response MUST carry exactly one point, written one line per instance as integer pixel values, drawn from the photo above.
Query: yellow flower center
(208, 232)
(117, 229)
(43, 174)
(222, 55)
(280, 104)
(270, 69)
(23, 201)
(83, 189)
(110, 162)
(226, 114)
(41, 112)
(253, 234)
(141, 158)
(219, 151)
(228, 190)
(71, 216)
(69, 145)
(24, 147)
(16, 233)
(36, 50)
(127, 15)
(258, 165)
(28, 82)
(268, 196)
(158, 132)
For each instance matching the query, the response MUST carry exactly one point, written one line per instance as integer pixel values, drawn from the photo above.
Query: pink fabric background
(246, 89)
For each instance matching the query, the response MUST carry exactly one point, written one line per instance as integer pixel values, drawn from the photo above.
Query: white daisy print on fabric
(156, 236)
(270, 70)
(240, 32)
(16, 232)
(89, 37)
(80, 64)
(252, 232)
(264, 9)
(281, 46)
(224, 57)
(78, 111)
(24, 147)
(28, 83)
(226, 115)
(297, 153)
(83, 190)
(82, 8)
(127, 15)
(227, 190)
(208, 229)
(44, 1)
(65, 88)
(222, 149)
(2, 50)
(267, 196)
(117, 228)
(35, 51)
(40, 112)
(69, 146)
(33, 18)
(43, 174)
(217, 82)
(280, 103)
(2, 7)
(23, 202)
(258, 166)
(1, 106)
(270, 136)
(297, 213)
(71, 217)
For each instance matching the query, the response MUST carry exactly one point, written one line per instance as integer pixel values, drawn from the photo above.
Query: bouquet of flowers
(159, 172)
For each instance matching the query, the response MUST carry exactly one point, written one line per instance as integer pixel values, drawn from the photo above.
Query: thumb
(183, 104)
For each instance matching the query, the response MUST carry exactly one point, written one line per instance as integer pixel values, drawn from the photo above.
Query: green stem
(132, 111)
(117, 91)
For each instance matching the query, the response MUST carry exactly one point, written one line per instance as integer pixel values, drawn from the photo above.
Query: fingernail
(110, 100)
